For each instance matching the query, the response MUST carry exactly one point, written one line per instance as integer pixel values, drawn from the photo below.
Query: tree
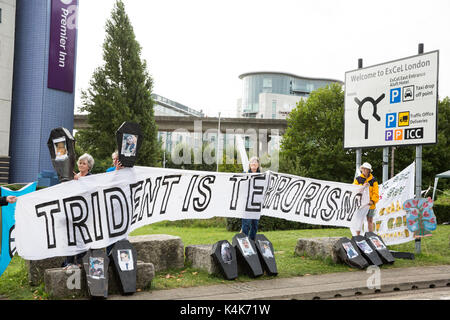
(312, 145)
(119, 91)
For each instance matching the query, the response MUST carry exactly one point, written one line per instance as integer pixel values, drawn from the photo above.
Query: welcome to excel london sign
(392, 104)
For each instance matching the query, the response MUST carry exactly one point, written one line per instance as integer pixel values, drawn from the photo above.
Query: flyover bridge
(193, 124)
(260, 131)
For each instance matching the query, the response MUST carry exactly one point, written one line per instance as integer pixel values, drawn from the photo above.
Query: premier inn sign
(62, 48)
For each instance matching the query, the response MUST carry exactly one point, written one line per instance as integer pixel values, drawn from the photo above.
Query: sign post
(419, 173)
(393, 104)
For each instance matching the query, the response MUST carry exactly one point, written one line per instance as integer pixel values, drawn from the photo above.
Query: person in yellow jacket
(367, 179)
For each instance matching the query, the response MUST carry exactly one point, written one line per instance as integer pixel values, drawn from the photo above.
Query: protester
(250, 226)
(85, 165)
(116, 163)
(4, 201)
(367, 179)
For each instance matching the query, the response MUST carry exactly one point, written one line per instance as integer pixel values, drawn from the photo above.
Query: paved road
(349, 285)
(424, 294)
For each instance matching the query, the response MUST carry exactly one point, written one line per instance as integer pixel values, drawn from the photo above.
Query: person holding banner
(250, 226)
(116, 163)
(4, 201)
(367, 179)
(85, 165)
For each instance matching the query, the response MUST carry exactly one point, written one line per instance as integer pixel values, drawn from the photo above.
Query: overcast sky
(196, 49)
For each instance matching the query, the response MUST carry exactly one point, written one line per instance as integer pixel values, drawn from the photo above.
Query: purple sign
(63, 34)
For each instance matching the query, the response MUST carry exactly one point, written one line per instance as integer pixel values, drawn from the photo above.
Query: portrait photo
(246, 247)
(96, 268)
(125, 258)
(377, 243)
(60, 149)
(265, 249)
(351, 252)
(225, 251)
(364, 246)
(129, 143)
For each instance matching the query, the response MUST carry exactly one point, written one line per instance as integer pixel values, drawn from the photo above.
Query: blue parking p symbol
(391, 120)
(396, 95)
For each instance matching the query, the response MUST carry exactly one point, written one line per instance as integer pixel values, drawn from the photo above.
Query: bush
(442, 212)
(271, 224)
(216, 222)
(441, 207)
(16, 187)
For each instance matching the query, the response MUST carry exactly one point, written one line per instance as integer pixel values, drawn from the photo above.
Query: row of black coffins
(253, 257)
(363, 251)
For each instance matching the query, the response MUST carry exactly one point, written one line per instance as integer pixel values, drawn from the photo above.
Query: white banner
(101, 209)
(390, 217)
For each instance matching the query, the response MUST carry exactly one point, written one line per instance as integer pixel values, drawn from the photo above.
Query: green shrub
(16, 187)
(442, 212)
(271, 224)
(441, 207)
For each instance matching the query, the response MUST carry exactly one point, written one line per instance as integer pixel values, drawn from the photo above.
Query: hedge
(442, 212)
(271, 224)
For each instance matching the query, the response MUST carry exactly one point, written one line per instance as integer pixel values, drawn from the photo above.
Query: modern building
(167, 107)
(7, 31)
(43, 86)
(273, 95)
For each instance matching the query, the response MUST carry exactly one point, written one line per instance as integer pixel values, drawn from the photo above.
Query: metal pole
(392, 161)
(359, 151)
(218, 146)
(419, 171)
(164, 149)
(385, 164)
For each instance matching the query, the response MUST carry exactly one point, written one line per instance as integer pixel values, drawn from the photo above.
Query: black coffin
(266, 254)
(61, 146)
(247, 255)
(95, 264)
(224, 254)
(129, 141)
(379, 246)
(349, 253)
(124, 256)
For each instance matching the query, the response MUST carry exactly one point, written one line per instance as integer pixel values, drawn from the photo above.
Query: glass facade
(278, 83)
(167, 107)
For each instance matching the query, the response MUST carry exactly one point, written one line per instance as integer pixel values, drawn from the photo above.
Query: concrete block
(36, 269)
(164, 251)
(200, 257)
(317, 247)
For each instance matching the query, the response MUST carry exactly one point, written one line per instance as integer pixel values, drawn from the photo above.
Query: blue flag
(8, 224)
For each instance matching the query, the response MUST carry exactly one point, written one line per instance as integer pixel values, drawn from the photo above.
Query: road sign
(393, 103)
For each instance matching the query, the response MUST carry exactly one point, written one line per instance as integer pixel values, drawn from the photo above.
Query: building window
(267, 83)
